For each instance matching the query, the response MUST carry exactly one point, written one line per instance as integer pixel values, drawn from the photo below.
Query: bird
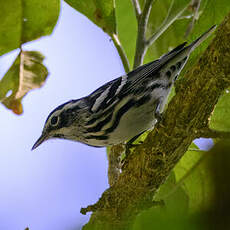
(121, 109)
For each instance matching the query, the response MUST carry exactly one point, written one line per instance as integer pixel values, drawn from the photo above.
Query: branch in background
(142, 23)
(195, 6)
(143, 43)
(210, 133)
(121, 52)
(137, 8)
(169, 20)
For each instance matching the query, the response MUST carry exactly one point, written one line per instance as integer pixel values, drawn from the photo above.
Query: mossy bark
(185, 119)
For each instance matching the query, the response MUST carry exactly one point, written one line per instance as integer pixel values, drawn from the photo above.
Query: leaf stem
(121, 52)
(137, 8)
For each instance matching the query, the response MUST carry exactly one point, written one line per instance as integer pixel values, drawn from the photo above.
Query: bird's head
(58, 123)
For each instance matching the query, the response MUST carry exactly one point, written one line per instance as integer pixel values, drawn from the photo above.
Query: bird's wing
(107, 94)
(149, 68)
(121, 86)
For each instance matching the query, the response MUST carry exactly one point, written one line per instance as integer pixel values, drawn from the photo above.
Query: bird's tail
(181, 51)
(199, 40)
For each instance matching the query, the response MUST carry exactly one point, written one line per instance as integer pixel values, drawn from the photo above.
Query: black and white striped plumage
(123, 107)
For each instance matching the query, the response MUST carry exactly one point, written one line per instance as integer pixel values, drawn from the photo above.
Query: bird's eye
(54, 121)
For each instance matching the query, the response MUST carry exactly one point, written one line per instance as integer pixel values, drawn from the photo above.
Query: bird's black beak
(40, 140)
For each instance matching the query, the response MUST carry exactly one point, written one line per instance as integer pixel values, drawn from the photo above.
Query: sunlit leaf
(173, 195)
(26, 73)
(220, 117)
(192, 172)
(127, 27)
(172, 214)
(23, 21)
(101, 12)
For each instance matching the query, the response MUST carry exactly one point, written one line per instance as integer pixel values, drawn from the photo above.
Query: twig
(141, 47)
(197, 150)
(89, 208)
(121, 52)
(165, 25)
(137, 8)
(195, 6)
(210, 133)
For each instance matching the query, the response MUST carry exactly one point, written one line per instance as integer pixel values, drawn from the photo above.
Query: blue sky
(46, 188)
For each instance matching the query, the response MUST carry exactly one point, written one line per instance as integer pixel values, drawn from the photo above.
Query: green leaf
(173, 195)
(127, 27)
(23, 21)
(101, 12)
(26, 73)
(171, 215)
(220, 117)
(193, 173)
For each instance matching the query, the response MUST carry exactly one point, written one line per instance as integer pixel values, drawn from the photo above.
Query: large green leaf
(206, 188)
(26, 73)
(192, 183)
(127, 27)
(161, 215)
(25, 20)
(101, 12)
(192, 172)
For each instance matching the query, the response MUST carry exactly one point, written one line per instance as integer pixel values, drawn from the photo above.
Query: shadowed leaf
(26, 73)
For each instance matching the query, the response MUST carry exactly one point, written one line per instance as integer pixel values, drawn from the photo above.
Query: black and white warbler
(122, 108)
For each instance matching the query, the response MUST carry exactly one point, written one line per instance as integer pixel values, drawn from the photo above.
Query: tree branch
(142, 27)
(150, 163)
(121, 52)
(210, 133)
